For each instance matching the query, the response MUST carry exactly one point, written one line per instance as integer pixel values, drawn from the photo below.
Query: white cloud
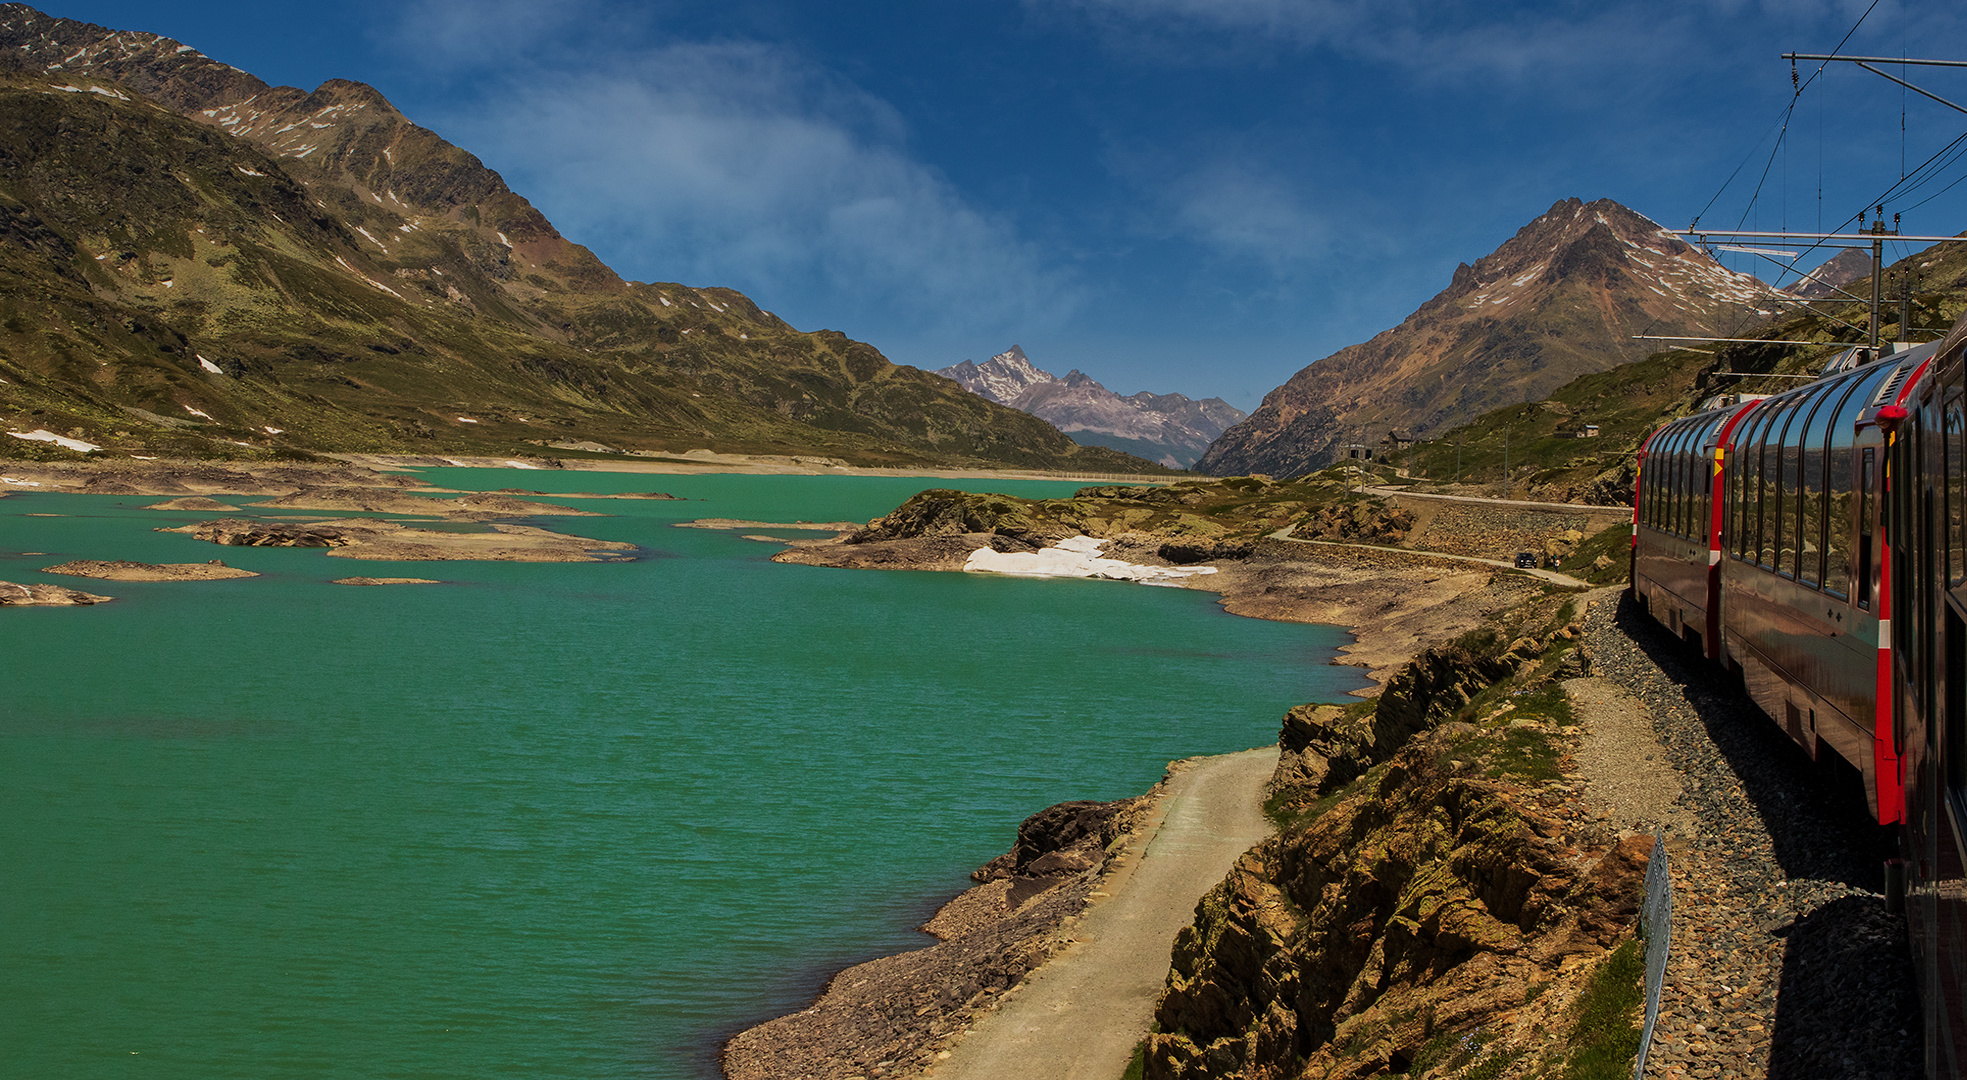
(1448, 41)
(743, 164)
(1240, 210)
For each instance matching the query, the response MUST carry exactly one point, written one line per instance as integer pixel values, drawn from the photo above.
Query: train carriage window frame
(1868, 507)
(1953, 429)
(1682, 484)
(1677, 521)
(1676, 480)
(1771, 490)
(1747, 482)
(1667, 463)
(1795, 439)
(1813, 499)
(1704, 466)
(1779, 512)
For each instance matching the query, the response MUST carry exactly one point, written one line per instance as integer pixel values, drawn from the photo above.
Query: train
(1814, 542)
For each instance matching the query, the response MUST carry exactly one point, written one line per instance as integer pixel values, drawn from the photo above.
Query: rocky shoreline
(335, 488)
(895, 1015)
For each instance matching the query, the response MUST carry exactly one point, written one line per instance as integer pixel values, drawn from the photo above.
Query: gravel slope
(1784, 963)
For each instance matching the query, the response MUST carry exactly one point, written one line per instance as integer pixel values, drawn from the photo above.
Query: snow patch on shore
(1077, 556)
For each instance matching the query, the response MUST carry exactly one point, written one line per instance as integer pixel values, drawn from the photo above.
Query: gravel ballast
(1784, 962)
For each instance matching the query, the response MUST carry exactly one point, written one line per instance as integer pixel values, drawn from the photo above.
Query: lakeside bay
(562, 820)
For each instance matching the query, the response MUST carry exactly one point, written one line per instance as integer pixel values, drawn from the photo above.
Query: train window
(1792, 482)
(1697, 487)
(1670, 477)
(1748, 487)
(1867, 500)
(1779, 509)
(1683, 503)
(1676, 482)
(1771, 495)
(1956, 485)
(1815, 491)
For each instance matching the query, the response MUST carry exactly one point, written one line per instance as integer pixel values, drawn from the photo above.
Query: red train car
(1756, 536)
(1815, 542)
(1927, 482)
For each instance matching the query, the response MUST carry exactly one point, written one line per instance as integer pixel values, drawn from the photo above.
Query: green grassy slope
(140, 249)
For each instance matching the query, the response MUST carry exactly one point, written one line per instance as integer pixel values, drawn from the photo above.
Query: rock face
(1414, 922)
(1437, 899)
(1170, 428)
(1560, 299)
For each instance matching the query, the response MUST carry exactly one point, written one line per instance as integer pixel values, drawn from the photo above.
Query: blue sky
(1191, 195)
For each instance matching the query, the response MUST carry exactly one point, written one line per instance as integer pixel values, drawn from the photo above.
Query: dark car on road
(1526, 560)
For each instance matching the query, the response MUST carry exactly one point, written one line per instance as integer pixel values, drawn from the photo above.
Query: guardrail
(1656, 927)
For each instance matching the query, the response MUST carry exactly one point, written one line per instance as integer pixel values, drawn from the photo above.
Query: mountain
(1829, 279)
(192, 261)
(1563, 297)
(1169, 428)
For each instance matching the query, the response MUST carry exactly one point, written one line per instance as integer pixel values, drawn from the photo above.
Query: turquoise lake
(544, 820)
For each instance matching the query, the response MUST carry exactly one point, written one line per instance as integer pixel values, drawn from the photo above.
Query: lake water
(565, 820)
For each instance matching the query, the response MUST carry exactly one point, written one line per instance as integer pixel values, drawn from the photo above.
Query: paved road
(1080, 1016)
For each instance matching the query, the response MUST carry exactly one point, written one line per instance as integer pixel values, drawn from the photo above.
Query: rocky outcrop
(125, 570)
(1355, 521)
(1444, 912)
(945, 512)
(1061, 839)
(245, 532)
(375, 538)
(17, 595)
(1324, 747)
(1438, 895)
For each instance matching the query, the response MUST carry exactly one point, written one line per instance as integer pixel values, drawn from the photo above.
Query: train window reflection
(1810, 530)
(1748, 486)
(1867, 486)
(1772, 496)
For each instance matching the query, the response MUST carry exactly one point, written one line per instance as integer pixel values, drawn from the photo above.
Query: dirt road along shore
(1081, 1014)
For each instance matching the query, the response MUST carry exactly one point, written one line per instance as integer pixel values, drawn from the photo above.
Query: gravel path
(1784, 962)
(1079, 1016)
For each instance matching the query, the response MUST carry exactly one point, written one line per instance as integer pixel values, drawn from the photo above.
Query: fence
(1656, 926)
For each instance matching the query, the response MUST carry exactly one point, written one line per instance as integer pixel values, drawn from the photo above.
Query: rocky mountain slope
(1561, 298)
(1548, 459)
(1169, 428)
(1834, 275)
(192, 261)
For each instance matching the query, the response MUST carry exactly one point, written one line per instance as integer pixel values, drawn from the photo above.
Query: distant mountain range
(192, 261)
(1169, 428)
(1568, 295)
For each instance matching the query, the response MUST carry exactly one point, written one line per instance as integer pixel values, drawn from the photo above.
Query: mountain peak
(1168, 428)
(1562, 297)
